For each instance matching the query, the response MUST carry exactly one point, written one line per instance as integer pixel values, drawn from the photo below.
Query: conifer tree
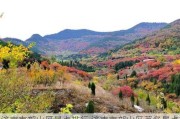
(93, 88)
(137, 102)
(148, 100)
(132, 100)
(89, 85)
(90, 107)
(120, 95)
(133, 73)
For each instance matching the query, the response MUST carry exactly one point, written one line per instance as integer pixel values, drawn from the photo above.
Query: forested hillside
(141, 76)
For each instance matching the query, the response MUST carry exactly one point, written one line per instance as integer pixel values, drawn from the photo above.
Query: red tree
(126, 91)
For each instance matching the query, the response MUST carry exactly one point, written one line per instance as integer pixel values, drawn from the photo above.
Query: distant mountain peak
(36, 35)
(35, 38)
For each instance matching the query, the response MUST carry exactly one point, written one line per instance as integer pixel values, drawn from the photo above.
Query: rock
(139, 109)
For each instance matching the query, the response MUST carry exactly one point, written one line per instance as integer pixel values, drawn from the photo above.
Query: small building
(146, 60)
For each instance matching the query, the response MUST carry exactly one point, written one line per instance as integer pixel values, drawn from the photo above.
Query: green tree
(148, 100)
(120, 95)
(90, 107)
(89, 85)
(164, 103)
(132, 100)
(53, 59)
(137, 102)
(93, 88)
(133, 73)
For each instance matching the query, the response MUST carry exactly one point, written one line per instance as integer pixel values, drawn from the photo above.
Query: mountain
(68, 34)
(85, 41)
(35, 38)
(14, 40)
(18, 42)
(165, 41)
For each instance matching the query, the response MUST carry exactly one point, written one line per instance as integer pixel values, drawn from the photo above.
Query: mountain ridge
(88, 41)
(165, 41)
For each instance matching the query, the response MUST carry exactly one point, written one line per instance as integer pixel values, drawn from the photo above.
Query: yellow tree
(14, 53)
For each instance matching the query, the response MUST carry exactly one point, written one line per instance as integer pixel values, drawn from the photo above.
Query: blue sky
(22, 18)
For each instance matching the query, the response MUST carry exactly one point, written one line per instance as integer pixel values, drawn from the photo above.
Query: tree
(5, 64)
(53, 59)
(124, 64)
(132, 100)
(120, 95)
(93, 88)
(28, 66)
(137, 102)
(89, 85)
(90, 107)
(126, 91)
(148, 100)
(133, 73)
(164, 103)
(136, 83)
(117, 77)
(174, 85)
(13, 54)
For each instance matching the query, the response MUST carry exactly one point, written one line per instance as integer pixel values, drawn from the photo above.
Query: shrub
(67, 109)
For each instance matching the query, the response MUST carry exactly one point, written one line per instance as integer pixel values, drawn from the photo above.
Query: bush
(67, 109)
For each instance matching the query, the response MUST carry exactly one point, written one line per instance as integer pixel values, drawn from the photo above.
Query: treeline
(75, 57)
(77, 65)
(173, 86)
(124, 64)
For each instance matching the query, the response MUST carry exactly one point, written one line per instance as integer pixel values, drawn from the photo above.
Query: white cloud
(22, 18)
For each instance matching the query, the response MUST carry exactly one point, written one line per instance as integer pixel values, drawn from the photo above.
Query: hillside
(30, 86)
(141, 76)
(84, 41)
(163, 42)
(151, 66)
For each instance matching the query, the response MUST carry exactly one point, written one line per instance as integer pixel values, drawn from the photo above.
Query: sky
(22, 18)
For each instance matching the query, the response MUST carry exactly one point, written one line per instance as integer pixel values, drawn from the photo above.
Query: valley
(83, 71)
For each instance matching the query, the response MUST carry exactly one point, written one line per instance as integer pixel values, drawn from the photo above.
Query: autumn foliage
(79, 72)
(126, 91)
